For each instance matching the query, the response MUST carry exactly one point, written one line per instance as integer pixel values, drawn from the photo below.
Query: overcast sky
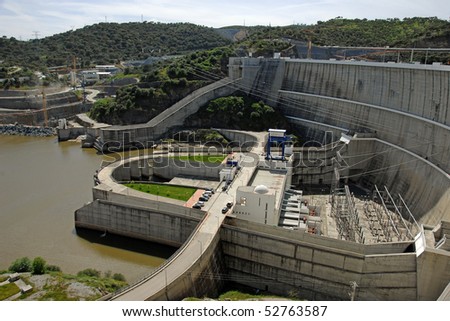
(25, 19)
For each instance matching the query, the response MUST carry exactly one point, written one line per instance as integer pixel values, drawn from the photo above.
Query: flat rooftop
(273, 179)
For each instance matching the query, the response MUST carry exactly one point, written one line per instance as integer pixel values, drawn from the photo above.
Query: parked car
(201, 203)
(203, 199)
(230, 204)
(224, 210)
(210, 190)
(197, 206)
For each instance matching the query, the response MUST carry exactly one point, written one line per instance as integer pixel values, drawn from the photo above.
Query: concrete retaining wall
(425, 188)
(315, 267)
(201, 280)
(137, 170)
(128, 196)
(35, 101)
(25, 93)
(245, 140)
(168, 168)
(36, 117)
(433, 273)
(137, 222)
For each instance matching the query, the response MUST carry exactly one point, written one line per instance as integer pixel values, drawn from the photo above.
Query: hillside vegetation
(162, 85)
(106, 43)
(202, 55)
(408, 32)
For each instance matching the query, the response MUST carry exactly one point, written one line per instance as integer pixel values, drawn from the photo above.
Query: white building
(90, 77)
(256, 204)
(110, 69)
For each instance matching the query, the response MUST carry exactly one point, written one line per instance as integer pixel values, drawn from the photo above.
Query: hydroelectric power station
(378, 225)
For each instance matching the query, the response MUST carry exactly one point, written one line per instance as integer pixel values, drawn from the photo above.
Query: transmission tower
(36, 34)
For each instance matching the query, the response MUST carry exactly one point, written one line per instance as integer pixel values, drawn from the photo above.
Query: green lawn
(176, 192)
(8, 290)
(216, 159)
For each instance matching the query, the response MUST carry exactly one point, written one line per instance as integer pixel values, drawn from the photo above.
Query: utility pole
(74, 72)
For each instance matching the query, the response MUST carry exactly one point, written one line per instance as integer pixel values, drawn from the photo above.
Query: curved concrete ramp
(173, 117)
(154, 287)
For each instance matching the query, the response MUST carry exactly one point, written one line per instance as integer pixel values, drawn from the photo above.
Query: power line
(204, 74)
(321, 110)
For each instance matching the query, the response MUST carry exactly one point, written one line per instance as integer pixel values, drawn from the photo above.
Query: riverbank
(57, 286)
(43, 183)
(23, 130)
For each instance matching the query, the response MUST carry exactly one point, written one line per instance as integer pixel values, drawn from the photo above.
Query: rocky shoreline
(22, 130)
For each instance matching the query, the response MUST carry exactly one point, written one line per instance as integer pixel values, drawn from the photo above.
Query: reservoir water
(42, 183)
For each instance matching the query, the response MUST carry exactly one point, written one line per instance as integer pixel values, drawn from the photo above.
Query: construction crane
(44, 107)
(73, 73)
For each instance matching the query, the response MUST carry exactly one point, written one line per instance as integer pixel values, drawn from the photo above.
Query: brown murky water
(42, 183)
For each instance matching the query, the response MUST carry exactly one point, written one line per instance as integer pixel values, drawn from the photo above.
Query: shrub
(119, 277)
(39, 265)
(89, 272)
(21, 265)
(52, 268)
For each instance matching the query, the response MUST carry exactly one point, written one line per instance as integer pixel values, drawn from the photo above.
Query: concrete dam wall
(421, 90)
(406, 106)
(315, 267)
(397, 144)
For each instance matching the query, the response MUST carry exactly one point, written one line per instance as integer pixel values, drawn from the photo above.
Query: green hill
(107, 43)
(408, 32)
(203, 53)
